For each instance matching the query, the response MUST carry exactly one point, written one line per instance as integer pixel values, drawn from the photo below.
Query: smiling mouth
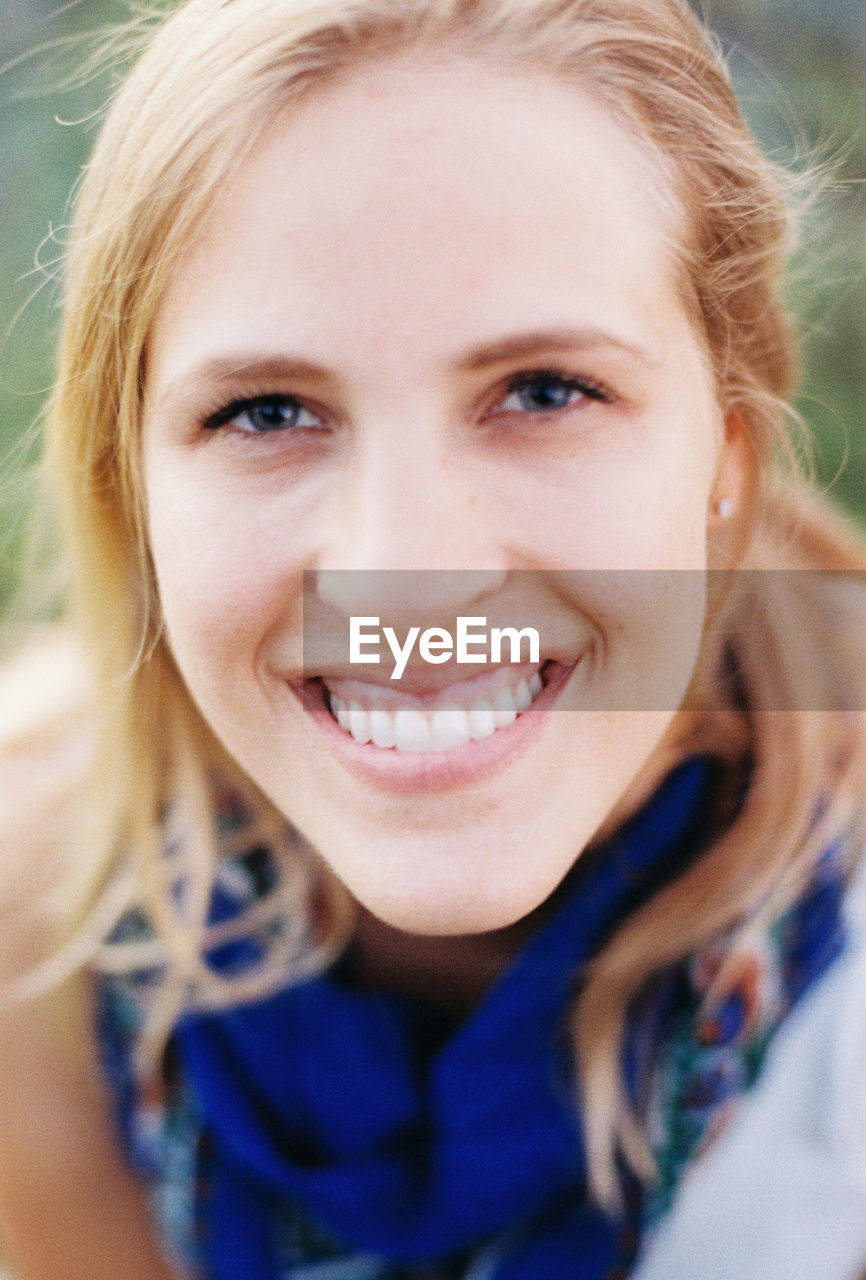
(442, 720)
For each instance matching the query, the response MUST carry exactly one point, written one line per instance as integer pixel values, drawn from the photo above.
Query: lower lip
(406, 771)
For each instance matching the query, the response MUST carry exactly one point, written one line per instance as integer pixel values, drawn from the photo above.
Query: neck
(452, 973)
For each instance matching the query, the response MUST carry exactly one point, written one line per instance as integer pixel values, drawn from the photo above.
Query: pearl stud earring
(725, 508)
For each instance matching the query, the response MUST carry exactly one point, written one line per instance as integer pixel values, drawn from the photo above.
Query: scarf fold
(328, 1096)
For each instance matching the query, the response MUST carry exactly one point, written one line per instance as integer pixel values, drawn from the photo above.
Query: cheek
(665, 479)
(643, 631)
(638, 503)
(660, 617)
(224, 584)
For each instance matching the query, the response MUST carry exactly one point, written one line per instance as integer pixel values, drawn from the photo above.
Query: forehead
(431, 196)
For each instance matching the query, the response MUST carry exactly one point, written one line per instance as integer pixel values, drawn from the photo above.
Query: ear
(731, 509)
(732, 495)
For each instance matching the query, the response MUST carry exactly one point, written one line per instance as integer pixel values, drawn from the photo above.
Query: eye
(262, 414)
(543, 391)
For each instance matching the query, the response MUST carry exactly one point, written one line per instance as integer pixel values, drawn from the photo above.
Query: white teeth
(450, 728)
(382, 729)
(411, 729)
(482, 721)
(504, 709)
(522, 696)
(359, 723)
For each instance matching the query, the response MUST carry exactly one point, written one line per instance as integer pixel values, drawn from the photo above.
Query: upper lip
(420, 680)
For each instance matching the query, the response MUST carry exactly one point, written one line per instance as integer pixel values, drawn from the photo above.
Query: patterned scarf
(351, 1134)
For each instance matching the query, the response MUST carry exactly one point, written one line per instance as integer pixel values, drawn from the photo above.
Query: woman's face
(432, 324)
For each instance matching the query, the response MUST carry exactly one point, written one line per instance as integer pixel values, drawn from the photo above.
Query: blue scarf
(340, 1101)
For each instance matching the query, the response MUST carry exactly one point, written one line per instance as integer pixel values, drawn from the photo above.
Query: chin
(456, 901)
(444, 921)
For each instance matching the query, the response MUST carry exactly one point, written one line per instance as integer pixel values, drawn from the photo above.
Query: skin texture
(389, 228)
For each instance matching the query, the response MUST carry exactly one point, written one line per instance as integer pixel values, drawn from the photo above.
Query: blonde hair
(212, 76)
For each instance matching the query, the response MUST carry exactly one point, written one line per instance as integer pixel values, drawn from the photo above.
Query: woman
(484, 293)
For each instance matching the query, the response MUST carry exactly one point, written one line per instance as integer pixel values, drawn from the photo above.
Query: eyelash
(225, 415)
(588, 389)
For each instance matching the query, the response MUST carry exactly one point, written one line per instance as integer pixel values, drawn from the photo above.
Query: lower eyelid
(227, 416)
(302, 412)
(576, 395)
(579, 391)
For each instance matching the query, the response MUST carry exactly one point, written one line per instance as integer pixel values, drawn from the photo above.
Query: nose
(410, 537)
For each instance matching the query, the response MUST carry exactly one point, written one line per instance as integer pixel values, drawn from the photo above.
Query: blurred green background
(800, 70)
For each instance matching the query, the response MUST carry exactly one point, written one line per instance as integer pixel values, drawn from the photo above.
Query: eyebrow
(258, 367)
(226, 369)
(553, 340)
